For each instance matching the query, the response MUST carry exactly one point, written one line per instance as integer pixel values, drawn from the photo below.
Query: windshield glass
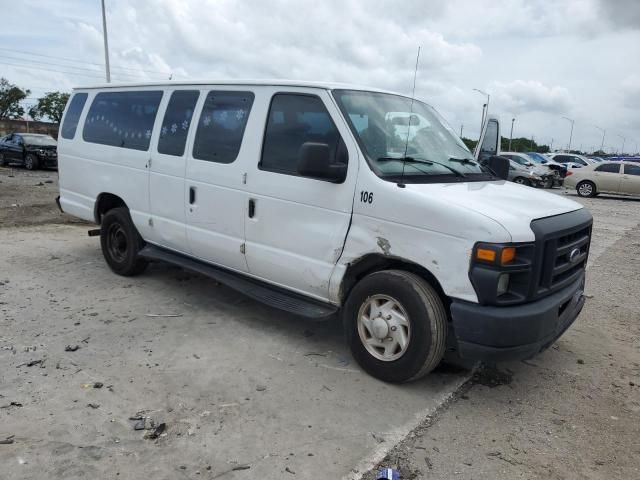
(386, 126)
(44, 140)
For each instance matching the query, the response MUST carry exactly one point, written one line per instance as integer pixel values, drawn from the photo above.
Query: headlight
(502, 273)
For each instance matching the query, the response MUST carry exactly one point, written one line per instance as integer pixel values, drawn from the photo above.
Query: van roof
(277, 83)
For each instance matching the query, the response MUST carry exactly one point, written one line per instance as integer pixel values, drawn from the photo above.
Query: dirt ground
(243, 391)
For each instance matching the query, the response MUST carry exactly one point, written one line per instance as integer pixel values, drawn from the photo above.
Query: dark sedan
(29, 149)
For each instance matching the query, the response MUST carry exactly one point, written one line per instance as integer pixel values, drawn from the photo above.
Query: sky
(539, 60)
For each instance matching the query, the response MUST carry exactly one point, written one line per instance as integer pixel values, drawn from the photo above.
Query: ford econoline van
(325, 200)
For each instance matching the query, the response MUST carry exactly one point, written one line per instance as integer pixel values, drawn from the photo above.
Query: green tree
(10, 97)
(471, 144)
(50, 106)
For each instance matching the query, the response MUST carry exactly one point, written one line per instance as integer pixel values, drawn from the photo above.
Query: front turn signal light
(507, 255)
(497, 255)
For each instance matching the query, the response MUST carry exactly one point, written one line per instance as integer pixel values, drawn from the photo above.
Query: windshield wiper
(421, 160)
(464, 161)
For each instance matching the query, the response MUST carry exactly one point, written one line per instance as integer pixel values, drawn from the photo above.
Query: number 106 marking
(366, 197)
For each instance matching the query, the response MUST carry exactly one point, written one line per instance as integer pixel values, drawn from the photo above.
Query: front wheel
(586, 189)
(121, 242)
(522, 181)
(396, 325)
(31, 162)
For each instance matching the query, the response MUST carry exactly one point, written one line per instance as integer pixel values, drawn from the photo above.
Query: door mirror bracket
(314, 160)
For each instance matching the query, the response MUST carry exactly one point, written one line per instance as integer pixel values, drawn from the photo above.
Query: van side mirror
(499, 166)
(314, 160)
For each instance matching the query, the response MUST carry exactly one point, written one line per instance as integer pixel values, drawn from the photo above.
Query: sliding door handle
(252, 208)
(192, 195)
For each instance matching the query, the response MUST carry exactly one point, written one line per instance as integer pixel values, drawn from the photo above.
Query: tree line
(520, 144)
(50, 105)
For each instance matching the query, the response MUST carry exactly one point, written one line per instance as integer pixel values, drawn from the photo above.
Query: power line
(40, 62)
(50, 70)
(81, 61)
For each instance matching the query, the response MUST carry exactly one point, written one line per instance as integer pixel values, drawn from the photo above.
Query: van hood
(511, 205)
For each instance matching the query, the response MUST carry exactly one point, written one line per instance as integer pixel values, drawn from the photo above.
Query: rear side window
(68, 129)
(122, 119)
(608, 167)
(294, 120)
(632, 169)
(221, 126)
(177, 118)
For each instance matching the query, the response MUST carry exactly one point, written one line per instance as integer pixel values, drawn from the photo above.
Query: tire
(412, 299)
(121, 242)
(548, 183)
(31, 162)
(3, 160)
(586, 189)
(522, 181)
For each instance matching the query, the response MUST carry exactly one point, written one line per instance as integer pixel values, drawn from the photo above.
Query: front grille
(564, 258)
(564, 248)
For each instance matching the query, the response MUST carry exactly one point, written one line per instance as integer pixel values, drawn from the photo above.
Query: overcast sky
(538, 59)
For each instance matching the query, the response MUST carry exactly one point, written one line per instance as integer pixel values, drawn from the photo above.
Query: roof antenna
(406, 145)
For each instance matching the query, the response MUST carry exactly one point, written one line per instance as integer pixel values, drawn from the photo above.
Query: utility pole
(511, 134)
(571, 134)
(531, 143)
(623, 141)
(603, 134)
(106, 44)
(461, 127)
(551, 146)
(485, 106)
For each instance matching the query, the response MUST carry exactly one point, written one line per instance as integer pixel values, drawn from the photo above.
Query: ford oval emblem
(573, 256)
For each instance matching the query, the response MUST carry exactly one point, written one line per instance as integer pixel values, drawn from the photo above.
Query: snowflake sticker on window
(174, 128)
(164, 130)
(240, 114)
(185, 125)
(206, 121)
(147, 134)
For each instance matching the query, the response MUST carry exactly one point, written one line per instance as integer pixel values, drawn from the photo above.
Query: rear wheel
(31, 162)
(121, 242)
(586, 189)
(523, 181)
(396, 325)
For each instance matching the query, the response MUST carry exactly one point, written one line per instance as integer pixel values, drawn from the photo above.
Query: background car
(542, 171)
(606, 177)
(29, 149)
(523, 175)
(572, 161)
(559, 168)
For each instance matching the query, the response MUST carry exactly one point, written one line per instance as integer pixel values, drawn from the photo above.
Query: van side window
(177, 119)
(122, 119)
(221, 126)
(68, 129)
(295, 119)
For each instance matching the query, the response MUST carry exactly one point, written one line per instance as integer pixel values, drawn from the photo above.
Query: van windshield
(395, 135)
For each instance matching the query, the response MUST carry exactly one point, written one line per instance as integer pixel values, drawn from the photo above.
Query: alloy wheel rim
(384, 327)
(586, 189)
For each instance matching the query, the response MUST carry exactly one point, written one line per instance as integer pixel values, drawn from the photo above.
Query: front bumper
(495, 334)
(48, 161)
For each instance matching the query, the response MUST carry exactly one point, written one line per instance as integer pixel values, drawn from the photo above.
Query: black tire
(427, 319)
(3, 160)
(31, 162)
(522, 181)
(121, 242)
(586, 189)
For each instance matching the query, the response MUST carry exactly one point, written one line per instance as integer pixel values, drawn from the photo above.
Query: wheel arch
(373, 262)
(105, 202)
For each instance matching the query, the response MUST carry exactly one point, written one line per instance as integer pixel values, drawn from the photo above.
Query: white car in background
(606, 177)
(571, 160)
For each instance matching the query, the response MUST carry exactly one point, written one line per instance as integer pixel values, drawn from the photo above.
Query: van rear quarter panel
(88, 169)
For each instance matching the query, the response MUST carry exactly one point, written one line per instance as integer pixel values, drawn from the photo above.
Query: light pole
(511, 134)
(603, 134)
(571, 134)
(551, 146)
(461, 127)
(623, 141)
(486, 105)
(106, 44)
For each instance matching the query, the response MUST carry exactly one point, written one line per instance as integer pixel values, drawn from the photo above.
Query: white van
(306, 197)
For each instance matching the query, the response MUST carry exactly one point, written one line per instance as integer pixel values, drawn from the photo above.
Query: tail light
(569, 172)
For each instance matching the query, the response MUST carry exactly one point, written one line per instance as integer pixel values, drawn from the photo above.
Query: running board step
(262, 292)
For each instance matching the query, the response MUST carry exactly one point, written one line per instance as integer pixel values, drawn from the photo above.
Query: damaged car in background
(29, 149)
